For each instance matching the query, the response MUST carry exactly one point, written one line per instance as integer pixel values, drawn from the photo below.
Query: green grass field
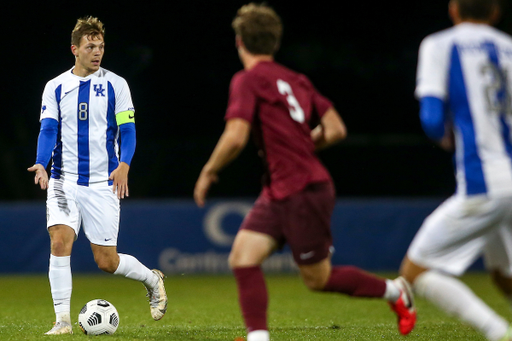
(205, 308)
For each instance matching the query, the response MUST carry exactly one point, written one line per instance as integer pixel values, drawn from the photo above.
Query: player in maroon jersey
(278, 105)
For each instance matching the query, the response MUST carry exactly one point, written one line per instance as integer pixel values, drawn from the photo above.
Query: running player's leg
(252, 245)
(63, 222)
(355, 282)
(447, 243)
(100, 211)
(309, 236)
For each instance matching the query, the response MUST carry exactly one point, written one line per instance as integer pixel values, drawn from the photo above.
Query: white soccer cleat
(60, 328)
(157, 297)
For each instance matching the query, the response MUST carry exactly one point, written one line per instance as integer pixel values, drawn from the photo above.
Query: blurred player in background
(464, 84)
(278, 105)
(84, 112)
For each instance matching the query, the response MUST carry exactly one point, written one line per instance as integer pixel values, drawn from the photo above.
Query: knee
(316, 276)
(239, 258)
(61, 240)
(408, 276)
(60, 247)
(235, 260)
(315, 280)
(231, 261)
(314, 283)
(410, 270)
(107, 264)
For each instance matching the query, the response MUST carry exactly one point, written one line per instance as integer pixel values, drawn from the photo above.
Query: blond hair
(87, 27)
(259, 27)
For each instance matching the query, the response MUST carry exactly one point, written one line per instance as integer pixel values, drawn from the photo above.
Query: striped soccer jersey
(469, 67)
(86, 107)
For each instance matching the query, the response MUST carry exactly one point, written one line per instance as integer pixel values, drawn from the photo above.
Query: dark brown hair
(87, 27)
(259, 27)
(477, 9)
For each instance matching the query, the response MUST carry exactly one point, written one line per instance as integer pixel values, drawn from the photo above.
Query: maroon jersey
(280, 104)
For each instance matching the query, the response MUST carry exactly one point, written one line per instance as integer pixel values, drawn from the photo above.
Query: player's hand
(203, 184)
(41, 176)
(317, 133)
(448, 140)
(120, 177)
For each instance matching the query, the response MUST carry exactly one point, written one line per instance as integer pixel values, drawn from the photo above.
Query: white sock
(392, 293)
(63, 317)
(455, 298)
(258, 335)
(130, 267)
(61, 285)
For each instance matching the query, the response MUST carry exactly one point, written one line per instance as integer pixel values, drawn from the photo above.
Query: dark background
(178, 58)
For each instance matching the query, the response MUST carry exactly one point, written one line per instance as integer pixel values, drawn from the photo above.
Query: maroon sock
(253, 297)
(355, 282)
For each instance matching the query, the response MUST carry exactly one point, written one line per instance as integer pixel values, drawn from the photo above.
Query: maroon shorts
(303, 220)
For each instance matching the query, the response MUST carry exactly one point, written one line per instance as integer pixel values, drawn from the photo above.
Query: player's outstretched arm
(231, 143)
(331, 130)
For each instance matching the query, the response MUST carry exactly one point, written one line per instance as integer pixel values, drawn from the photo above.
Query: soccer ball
(98, 317)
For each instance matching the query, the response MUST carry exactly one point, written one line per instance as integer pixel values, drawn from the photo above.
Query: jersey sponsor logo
(131, 116)
(108, 239)
(99, 90)
(307, 255)
(43, 109)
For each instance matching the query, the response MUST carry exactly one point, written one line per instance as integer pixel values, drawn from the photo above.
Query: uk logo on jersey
(99, 90)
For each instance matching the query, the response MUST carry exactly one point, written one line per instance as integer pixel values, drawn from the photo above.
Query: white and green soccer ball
(98, 317)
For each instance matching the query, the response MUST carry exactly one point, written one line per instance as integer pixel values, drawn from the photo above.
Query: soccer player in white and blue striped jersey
(85, 112)
(464, 86)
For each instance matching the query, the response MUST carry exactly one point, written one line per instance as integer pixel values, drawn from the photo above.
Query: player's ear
(453, 11)
(238, 41)
(74, 50)
(495, 15)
